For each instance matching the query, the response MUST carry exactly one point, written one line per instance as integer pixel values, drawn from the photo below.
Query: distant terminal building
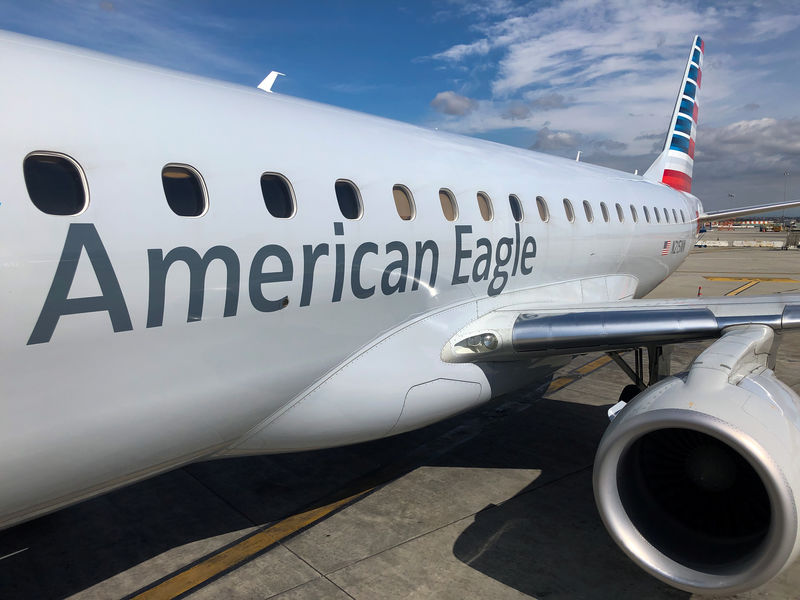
(763, 224)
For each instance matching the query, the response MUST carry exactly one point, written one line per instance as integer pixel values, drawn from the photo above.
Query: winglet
(269, 80)
(674, 165)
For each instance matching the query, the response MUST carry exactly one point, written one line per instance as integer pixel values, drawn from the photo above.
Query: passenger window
(568, 210)
(587, 208)
(674, 215)
(516, 207)
(449, 206)
(634, 215)
(56, 184)
(646, 213)
(604, 210)
(403, 202)
(666, 215)
(184, 190)
(541, 205)
(349, 199)
(485, 204)
(620, 213)
(278, 196)
(656, 213)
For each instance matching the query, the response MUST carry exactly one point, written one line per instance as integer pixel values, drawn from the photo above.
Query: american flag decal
(666, 248)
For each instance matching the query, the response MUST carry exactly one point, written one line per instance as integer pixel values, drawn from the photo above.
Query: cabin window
(278, 197)
(56, 184)
(403, 202)
(620, 212)
(634, 214)
(587, 208)
(516, 207)
(604, 210)
(657, 214)
(184, 190)
(568, 210)
(646, 213)
(349, 199)
(674, 215)
(683, 217)
(666, 215)
(541, 205)
(449, 205)
(485, 205)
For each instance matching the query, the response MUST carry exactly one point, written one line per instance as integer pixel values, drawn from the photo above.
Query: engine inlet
(695, 499)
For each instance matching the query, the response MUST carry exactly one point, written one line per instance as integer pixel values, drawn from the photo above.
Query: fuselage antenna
(269, 80)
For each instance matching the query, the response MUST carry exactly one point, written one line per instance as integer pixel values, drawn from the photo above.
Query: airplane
(194, 270)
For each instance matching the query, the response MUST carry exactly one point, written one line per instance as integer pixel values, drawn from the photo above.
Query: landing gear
(659, 360)
(629, 392)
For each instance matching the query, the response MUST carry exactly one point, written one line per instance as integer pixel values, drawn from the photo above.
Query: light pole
(785, 188)
(733, 205)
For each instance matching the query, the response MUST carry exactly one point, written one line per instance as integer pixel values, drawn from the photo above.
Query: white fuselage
(89, 409)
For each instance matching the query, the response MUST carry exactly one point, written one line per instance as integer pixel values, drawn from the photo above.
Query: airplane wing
(697, 475)
(732, 213)
(520, 332)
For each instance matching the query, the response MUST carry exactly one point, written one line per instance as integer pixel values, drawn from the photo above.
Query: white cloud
(450, 103)
(618, 62)
(770, 27)
(555, 140)
(767, 144)
(461, 51)
(147, 30)
(619, 65)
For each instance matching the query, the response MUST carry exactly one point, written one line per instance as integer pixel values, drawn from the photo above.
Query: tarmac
(495, 503)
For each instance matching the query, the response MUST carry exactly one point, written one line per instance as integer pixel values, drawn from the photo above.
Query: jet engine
(697, 478)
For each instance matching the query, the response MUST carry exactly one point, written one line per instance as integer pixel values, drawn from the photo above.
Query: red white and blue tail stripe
(674, 165)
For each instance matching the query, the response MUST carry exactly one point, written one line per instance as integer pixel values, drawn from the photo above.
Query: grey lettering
(258, 277)
(485, 259)
(460, 255)
(310, 256)
(528, 251)
(500, 261)
(401, 265)
(159, 265)
(355, 273)
(81, 236)
(421, 249)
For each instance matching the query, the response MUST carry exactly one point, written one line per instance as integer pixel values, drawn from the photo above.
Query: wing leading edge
(520, 332)
(732, 213)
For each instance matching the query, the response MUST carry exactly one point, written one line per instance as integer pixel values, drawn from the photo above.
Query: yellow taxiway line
(240, 552)
(582, 371)
(741, 288)
(770, 279)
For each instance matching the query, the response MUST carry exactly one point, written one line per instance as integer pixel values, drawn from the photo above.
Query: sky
(599, 76)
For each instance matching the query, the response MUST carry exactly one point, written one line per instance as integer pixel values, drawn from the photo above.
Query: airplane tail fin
(674, 165)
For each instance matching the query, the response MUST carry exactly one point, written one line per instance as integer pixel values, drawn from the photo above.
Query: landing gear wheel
(629, 392)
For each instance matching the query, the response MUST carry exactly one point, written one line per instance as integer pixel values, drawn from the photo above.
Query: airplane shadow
(547, 541)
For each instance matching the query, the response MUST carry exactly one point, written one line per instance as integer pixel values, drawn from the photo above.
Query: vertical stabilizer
(674, 165)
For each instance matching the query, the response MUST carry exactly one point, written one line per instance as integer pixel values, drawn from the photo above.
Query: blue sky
(598, 76)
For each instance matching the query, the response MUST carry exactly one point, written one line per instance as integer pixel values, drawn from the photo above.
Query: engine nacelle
(697, 478)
